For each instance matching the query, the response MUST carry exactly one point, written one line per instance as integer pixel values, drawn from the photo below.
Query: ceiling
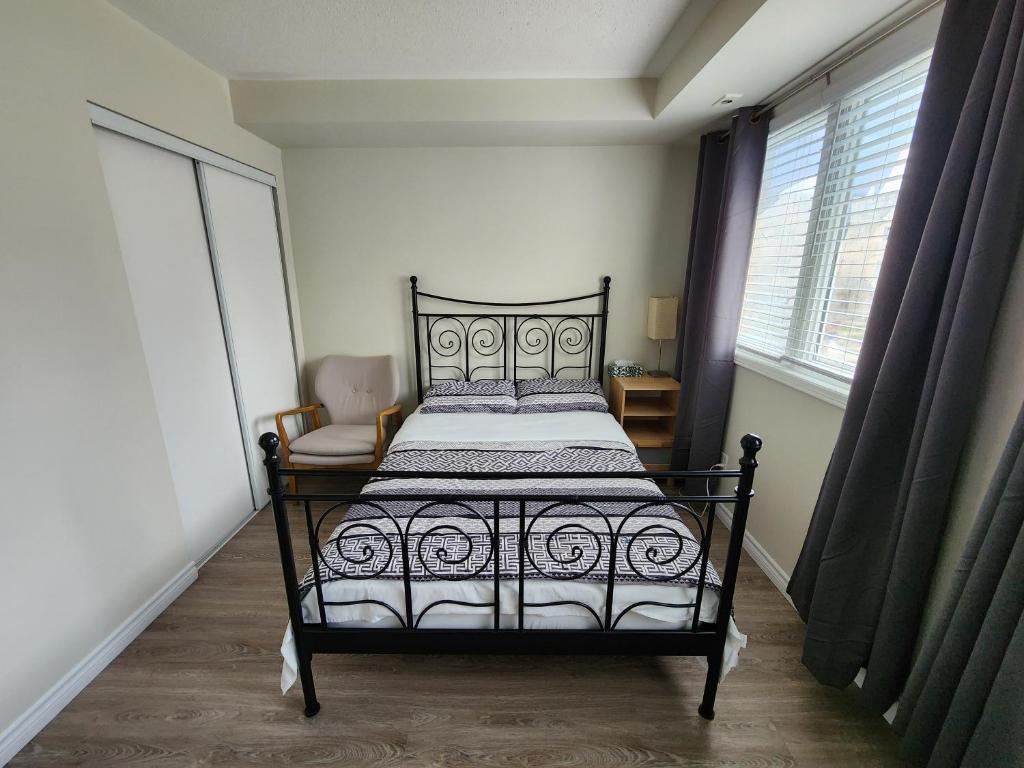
(407, 73)
(414, 39)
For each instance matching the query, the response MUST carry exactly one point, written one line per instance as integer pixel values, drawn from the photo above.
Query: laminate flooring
(199, 687)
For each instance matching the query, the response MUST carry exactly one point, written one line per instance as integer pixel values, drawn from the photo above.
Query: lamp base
(659, 374)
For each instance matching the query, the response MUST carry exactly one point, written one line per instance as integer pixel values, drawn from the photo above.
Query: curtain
(724, 209)
(866, 565)
(963, 700)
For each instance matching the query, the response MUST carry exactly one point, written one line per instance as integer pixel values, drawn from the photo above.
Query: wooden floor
(200, 687)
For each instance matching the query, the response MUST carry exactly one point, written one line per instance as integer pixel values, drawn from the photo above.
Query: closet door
(155, 200)
(242, 219)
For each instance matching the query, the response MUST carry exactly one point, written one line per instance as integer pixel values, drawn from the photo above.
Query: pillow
(555, 395)
(489, 396)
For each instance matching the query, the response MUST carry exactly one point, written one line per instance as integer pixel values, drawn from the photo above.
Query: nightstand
(646, 408)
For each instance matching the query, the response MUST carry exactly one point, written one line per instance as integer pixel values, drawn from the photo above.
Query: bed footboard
(511, 539)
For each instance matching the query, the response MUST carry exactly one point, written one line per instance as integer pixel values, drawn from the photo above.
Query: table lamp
(661, 323)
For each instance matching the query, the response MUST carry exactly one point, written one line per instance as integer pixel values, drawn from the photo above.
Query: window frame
(827, 95)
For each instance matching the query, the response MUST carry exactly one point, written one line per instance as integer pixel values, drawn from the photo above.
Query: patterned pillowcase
(489, 396)
(557, 395)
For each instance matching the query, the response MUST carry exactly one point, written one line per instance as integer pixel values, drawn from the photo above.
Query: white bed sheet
(505, 427)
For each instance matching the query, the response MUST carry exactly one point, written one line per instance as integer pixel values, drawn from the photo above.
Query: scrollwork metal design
(632, 606)
(441, 554)
(653, 554)
(436, 603)
(574, 338)
(473, 347)
(577, 603)
(394, 612)
(550, 338)
(489, 338)
(533, 334)
(446, 342)
(367, 553)
(575, 554)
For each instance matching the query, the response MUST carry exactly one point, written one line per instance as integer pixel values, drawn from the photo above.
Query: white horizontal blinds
(786, 205)
(874, 126)
(827, 199)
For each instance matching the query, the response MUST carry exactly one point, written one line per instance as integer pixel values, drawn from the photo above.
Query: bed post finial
(412, 279)
(269, 443)
(607, 280)
(751, 444)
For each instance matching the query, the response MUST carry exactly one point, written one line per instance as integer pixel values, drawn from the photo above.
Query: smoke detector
(727, 99)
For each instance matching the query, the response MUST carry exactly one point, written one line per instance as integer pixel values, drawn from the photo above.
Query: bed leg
(269, 443)
(744, 490)
(308, 690)
(707, 704)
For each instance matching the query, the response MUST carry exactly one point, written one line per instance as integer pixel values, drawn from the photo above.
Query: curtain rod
(826, 71)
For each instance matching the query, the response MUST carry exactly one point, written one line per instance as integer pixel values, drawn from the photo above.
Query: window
(827, 198)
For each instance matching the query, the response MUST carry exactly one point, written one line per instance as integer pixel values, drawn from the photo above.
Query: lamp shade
(661, 317)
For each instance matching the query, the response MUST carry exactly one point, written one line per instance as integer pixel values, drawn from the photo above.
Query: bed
(518, 532)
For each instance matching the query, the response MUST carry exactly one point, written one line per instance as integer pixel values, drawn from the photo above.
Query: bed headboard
(554, 338)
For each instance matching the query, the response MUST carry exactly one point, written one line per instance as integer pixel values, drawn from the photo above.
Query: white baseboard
(775, 572)
(227, 537)
(49, 705)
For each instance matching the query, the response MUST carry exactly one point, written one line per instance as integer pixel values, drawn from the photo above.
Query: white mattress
(502, 427)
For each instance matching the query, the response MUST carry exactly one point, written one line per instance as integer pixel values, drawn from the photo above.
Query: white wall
(506, 223)
(800, 430)
(90, 526)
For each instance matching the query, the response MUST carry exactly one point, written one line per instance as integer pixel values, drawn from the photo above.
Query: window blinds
(827, 199)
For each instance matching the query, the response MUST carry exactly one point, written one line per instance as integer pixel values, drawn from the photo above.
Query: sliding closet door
(155, 201)
(243, 225)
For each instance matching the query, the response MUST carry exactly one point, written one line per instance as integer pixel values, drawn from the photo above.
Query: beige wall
(800, 430)
(510, 223)
(89, 526)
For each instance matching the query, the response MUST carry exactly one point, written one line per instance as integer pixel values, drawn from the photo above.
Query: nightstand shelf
(644, 436)
(646, 408)
(657, 408)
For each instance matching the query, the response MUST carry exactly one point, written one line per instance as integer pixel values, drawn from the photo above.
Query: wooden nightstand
(646, 408)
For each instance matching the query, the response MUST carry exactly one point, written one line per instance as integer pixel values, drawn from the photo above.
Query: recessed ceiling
(415, 39)
(307, 73)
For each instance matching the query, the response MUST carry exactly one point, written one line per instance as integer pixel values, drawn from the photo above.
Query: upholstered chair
(358, 393)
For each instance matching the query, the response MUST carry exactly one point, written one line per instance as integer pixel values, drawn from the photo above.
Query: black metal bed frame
(697, 638)
(473, 346)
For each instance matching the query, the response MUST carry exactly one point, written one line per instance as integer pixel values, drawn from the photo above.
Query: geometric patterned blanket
(456, 540)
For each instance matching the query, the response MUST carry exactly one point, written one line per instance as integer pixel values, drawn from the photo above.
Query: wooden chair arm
(282, 433)
(394, 410)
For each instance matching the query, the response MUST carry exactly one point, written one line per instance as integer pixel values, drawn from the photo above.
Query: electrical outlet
(725, 459)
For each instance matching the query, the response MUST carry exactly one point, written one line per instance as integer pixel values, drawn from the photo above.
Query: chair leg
(293, 484)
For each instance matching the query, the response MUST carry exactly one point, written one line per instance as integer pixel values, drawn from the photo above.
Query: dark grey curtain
(964, 701)
(866, 565)
(724, 209)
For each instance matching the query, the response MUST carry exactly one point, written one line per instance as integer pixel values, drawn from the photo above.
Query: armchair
(359, 394)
